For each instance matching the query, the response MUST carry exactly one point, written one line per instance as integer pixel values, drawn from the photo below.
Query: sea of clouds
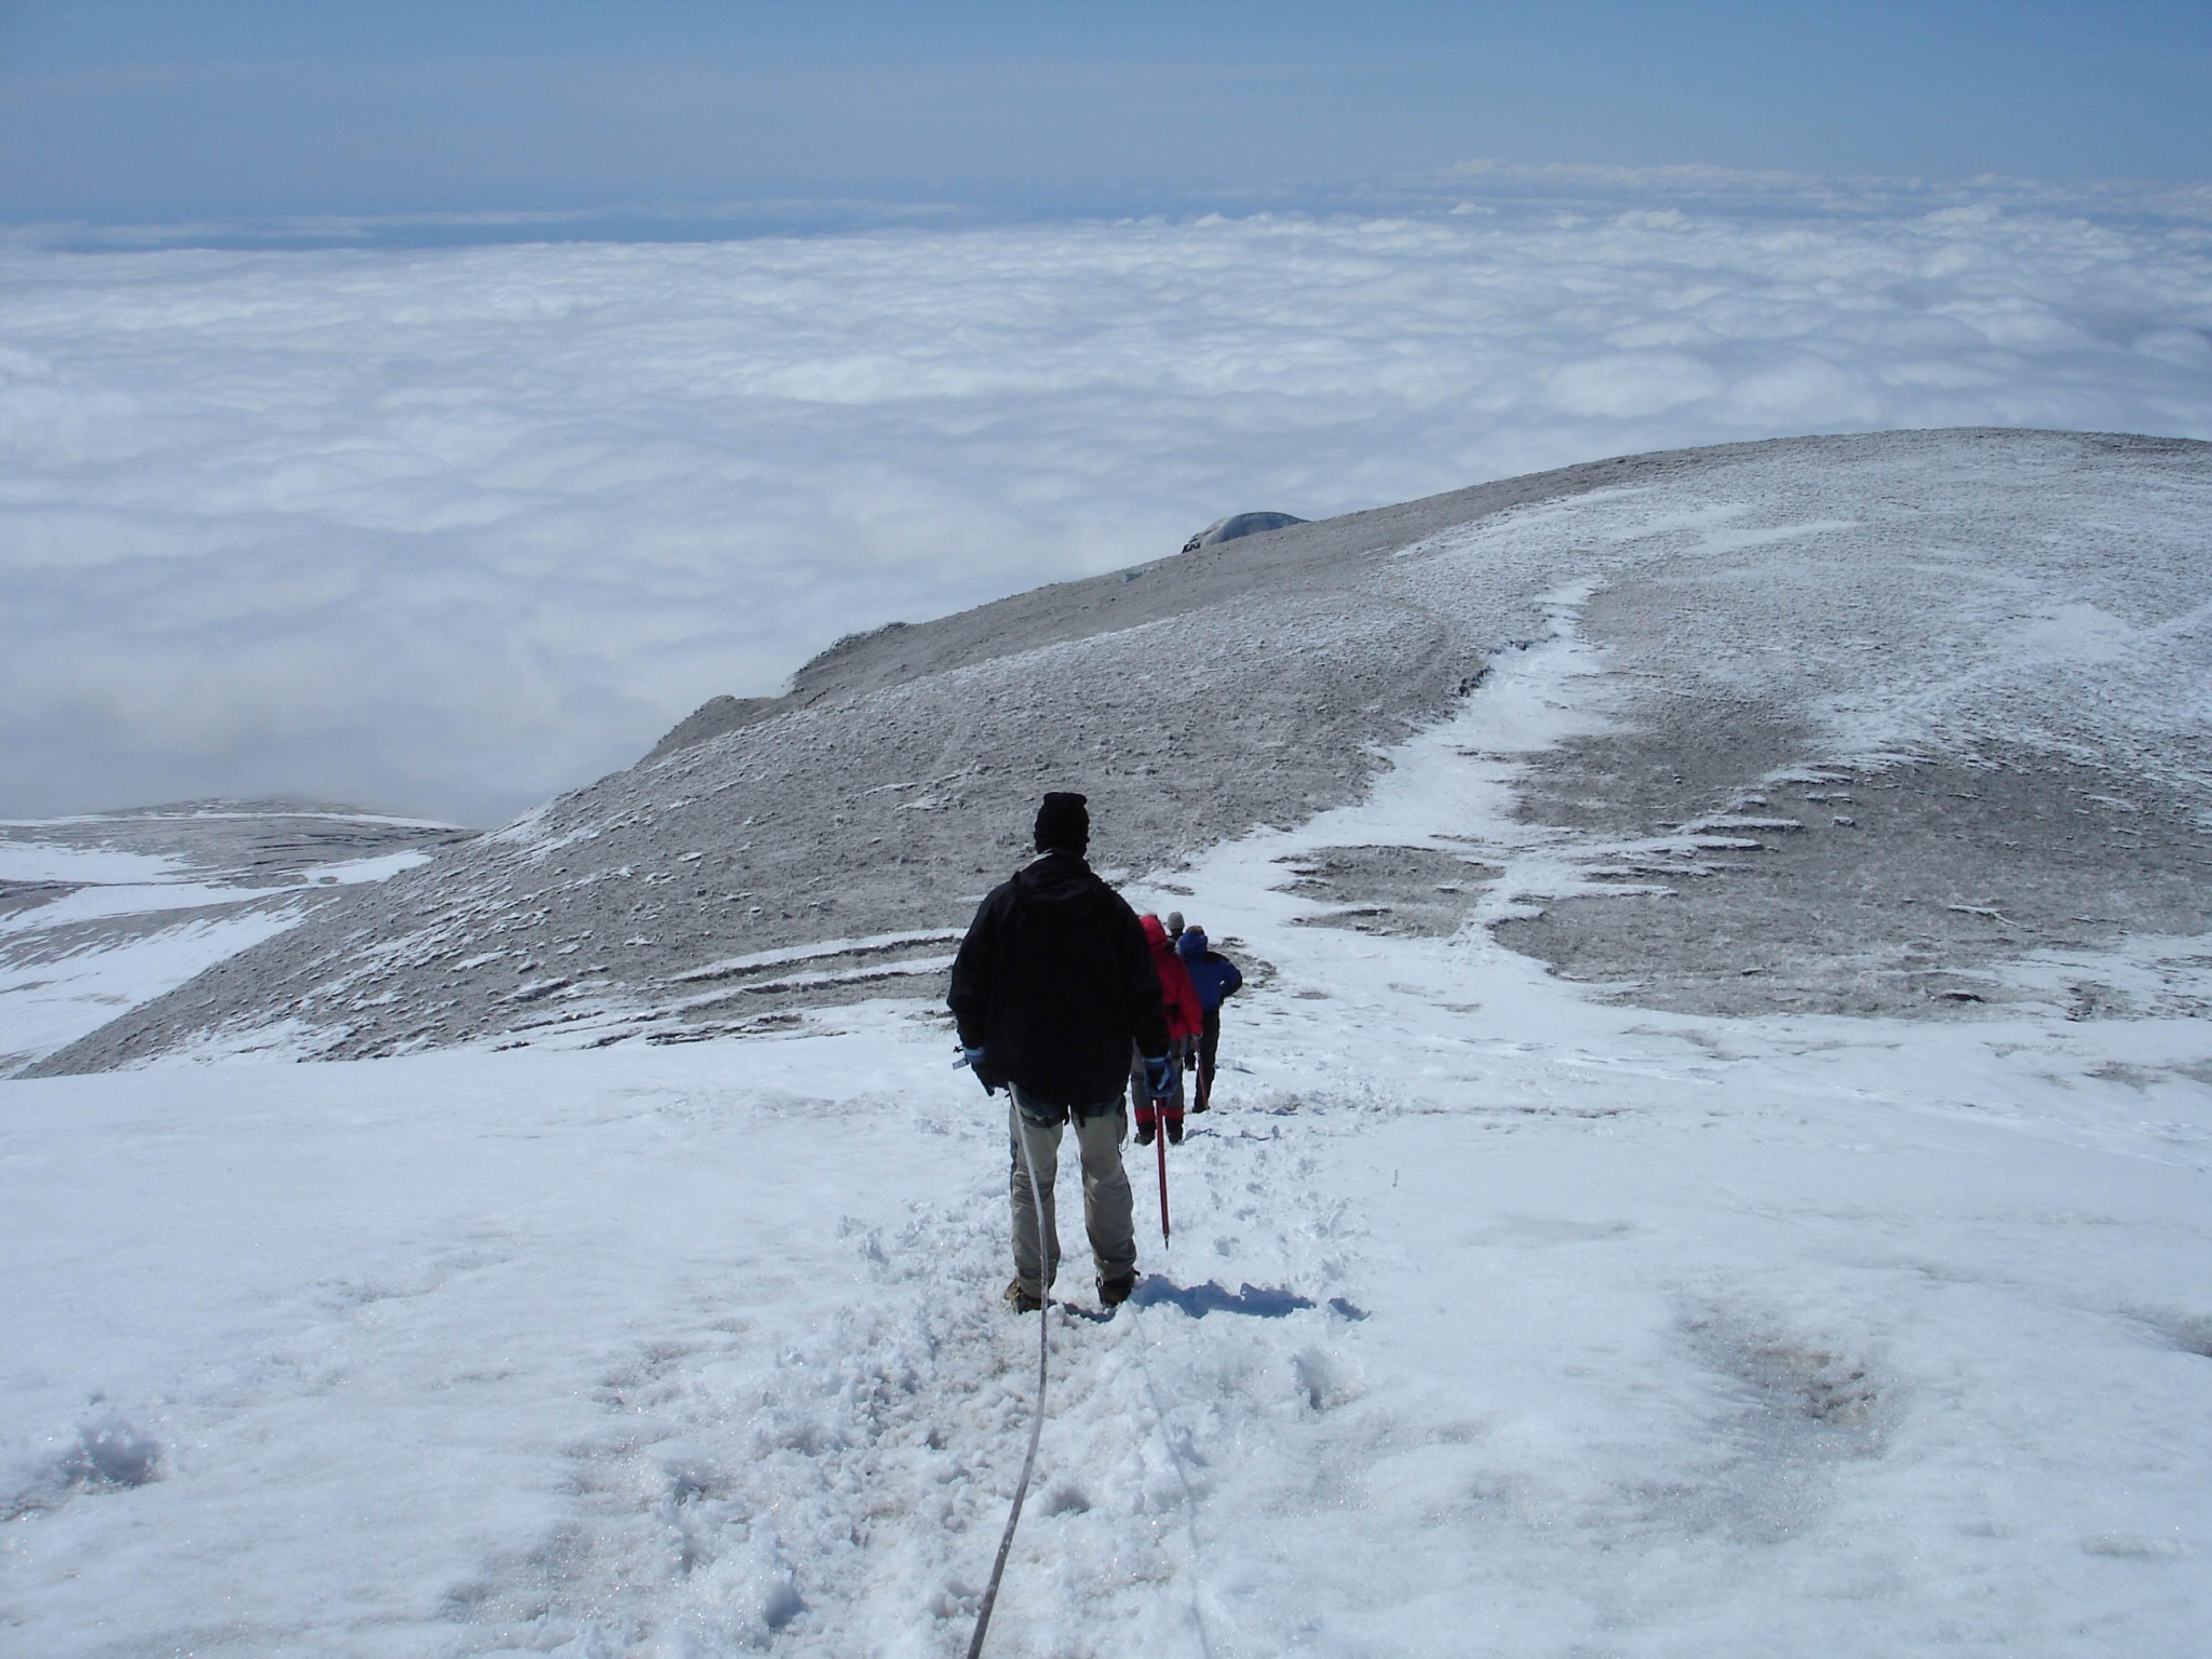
(446, 530)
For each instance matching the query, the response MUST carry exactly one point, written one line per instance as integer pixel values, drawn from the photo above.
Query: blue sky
(120, 110)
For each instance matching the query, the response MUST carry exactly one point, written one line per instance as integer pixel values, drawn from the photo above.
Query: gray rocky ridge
(254, 845)
(1237, 524)
(189, 867)
(1871, 713)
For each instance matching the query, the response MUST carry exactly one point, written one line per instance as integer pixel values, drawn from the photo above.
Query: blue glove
(1160, 1077)
(973, 1059)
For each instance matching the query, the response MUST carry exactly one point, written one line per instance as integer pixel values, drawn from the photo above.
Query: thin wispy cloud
(449, 530)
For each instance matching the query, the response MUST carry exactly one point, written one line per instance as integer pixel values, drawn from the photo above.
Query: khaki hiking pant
(1099, 1130)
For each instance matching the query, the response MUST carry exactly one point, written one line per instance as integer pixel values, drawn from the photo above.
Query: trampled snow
(1499, 1318)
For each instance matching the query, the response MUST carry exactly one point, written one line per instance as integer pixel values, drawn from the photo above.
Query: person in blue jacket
(1217, 980)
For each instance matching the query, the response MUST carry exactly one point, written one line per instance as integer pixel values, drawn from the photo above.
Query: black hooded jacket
(1053, 982)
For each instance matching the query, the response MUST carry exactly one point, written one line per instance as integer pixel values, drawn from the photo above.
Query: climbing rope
(1036, 1421)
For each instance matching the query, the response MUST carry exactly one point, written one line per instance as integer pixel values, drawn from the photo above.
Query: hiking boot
(1114, 1291)
(1174, 1134)
(1144, 1134)
(1022, 1300)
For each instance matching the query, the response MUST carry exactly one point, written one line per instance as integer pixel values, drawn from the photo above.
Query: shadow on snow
(1200, 1300)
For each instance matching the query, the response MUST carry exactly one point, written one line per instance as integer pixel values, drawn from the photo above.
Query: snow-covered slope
(100, 911)
(1498, 1318)
(1864, 716)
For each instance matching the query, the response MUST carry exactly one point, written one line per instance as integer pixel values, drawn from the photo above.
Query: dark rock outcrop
(1238, 524)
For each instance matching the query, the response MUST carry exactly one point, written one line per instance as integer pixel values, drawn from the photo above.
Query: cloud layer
(448, 530)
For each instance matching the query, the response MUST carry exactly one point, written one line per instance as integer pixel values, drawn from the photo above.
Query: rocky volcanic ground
(1858, 717)
(104, 910)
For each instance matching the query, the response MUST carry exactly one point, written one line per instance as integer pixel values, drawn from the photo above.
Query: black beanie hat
(1063, 825)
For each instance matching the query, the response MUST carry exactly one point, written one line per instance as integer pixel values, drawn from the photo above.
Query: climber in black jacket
(1052, 987)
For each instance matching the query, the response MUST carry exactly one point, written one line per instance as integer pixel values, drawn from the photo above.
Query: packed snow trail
(1550, 1328)
(1037, 1420)
(1193, 1567)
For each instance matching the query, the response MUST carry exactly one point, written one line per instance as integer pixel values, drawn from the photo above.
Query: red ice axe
(1160, 1146)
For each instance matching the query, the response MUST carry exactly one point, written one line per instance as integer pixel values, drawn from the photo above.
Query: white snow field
(1499, 1318)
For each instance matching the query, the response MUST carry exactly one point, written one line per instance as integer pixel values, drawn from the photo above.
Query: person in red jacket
(1185, 1018)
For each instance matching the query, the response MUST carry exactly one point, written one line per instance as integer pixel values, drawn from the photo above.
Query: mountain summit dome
(1239, 524)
